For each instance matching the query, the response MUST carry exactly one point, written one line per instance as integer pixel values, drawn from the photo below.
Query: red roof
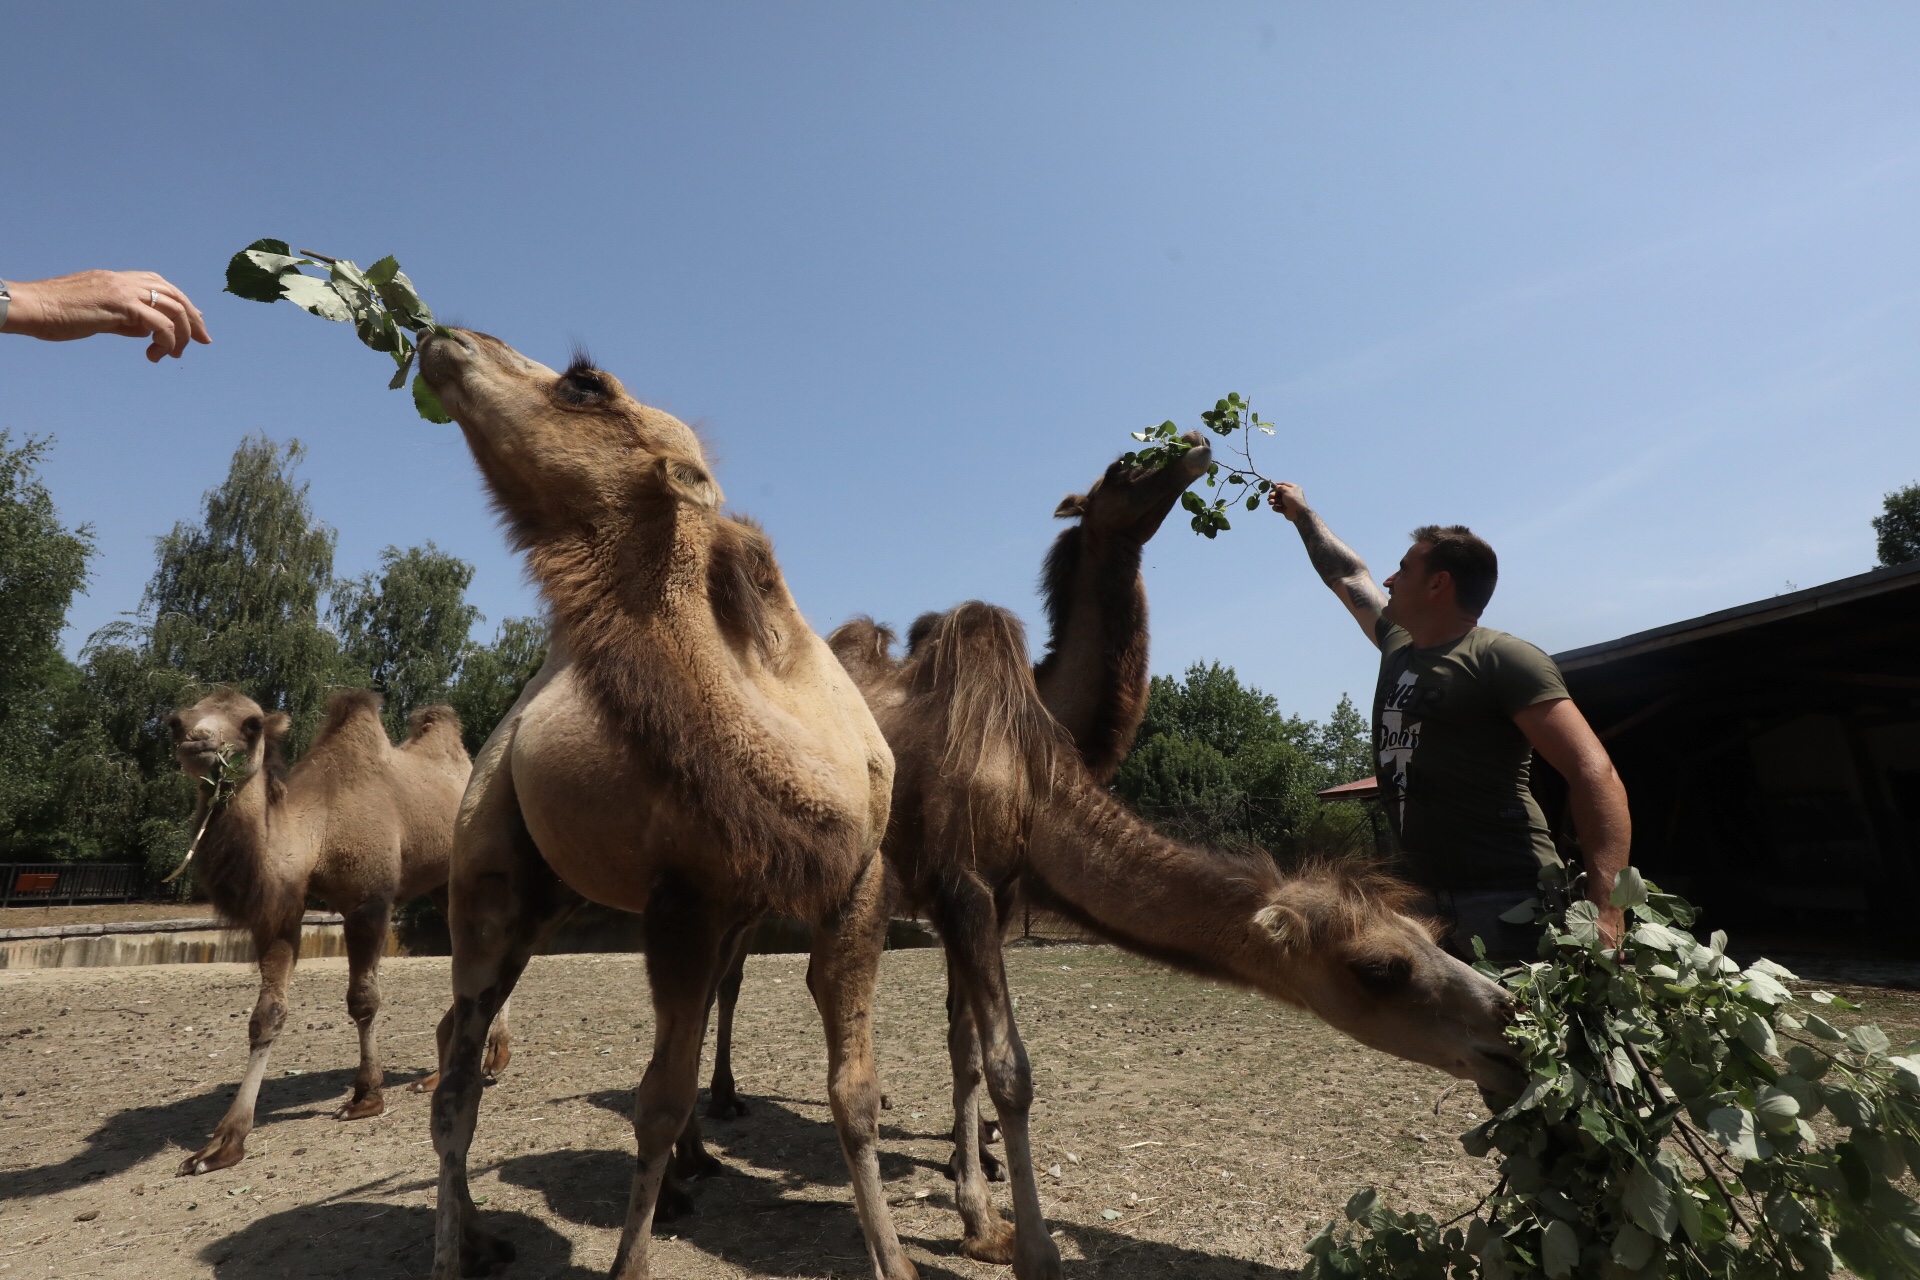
(1365, 789)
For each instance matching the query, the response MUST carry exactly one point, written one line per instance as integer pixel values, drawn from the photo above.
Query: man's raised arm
(1344, 572)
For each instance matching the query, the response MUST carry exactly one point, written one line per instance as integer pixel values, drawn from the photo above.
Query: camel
(1093, 679)
(990, 800)
(358, 823)
(691, 752)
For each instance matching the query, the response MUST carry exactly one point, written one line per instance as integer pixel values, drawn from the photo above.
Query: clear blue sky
(1634, 290)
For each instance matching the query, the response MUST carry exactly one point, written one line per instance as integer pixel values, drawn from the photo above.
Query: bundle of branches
(1680, 1121)
(1234, 420)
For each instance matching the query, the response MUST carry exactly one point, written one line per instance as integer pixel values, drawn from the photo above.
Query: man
(1457, 713)
(133, 304)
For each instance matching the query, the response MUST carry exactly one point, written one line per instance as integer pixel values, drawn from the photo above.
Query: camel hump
(972, 662)
(349, 710)
(435, 726)
(864, 647)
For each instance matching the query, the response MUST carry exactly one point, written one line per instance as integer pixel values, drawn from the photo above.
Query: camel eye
(251, 728)
(583, 385)
(1383, 975)
(177, 727)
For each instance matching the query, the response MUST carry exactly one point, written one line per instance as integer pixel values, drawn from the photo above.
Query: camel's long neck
(248, 874)
(1094, 676)
(1092, 860)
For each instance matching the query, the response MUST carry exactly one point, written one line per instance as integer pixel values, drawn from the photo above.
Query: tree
(491, 677)
(42, 565)
(1217, 761)
(236, 599)
(1898, 526)
(407, 628)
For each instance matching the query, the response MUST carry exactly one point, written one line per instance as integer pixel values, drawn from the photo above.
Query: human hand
(133, 304)
(1613, 925)
(1286, 498)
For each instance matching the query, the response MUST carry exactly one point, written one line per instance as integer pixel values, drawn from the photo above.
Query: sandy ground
(1220, 1129)
(102, 913)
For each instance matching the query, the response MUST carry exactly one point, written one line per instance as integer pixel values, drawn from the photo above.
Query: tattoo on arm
(1338, 566)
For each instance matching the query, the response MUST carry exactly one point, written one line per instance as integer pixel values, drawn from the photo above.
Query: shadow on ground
(131, 1136)
(756, 1220)
(370, 1241)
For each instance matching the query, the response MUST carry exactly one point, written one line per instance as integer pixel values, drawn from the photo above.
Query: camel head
(1130, 500)
(561, 451)
(226, 719)
(1356, 960)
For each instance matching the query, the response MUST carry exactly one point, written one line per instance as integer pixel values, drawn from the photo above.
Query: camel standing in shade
(990, 800)
(1093, 678)
(358, 823)
(690, 752)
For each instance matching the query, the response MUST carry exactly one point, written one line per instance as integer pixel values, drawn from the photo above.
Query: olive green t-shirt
(1452, 764)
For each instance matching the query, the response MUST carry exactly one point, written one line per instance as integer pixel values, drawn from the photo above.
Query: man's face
(1412, 592)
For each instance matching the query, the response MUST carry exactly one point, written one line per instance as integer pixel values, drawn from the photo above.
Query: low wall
(201, 941)
(197, 941)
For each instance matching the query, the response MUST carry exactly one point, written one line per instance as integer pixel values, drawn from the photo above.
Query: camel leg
(960, 1022)
(841, 974)
(505, 899)
(723, 1099)
(366, 930)
(499, 1043)
(986, 1236)
(691, 1159)
(970, 928)
(684, 952)
(278, 955)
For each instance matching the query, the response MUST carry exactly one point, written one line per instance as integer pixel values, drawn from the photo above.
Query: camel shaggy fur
(991, 800)
(358, 823)
(690, 752)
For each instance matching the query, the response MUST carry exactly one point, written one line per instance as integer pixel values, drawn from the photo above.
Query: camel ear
(690, 483)
(1071, 507)
(1288, 927)
(278, 722)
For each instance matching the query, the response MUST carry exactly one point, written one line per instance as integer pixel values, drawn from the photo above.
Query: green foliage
(1217, 761)
(407, 627)
(1243, 485)
(1897, 528)
(492, 676)
(1666, 1126)
(42, 565)
(384, 307)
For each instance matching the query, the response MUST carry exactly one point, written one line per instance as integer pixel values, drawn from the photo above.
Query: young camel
(690, 752)
(1093, 679)
(990, 799)
(358, 823)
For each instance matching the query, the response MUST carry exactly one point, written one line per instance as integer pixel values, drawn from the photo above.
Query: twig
(317, 257)
(1498, 1187)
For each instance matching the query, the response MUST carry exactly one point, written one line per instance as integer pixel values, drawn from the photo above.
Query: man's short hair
(1466, 557)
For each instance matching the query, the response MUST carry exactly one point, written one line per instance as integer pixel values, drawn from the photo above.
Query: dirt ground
(102, 913)
(1218, 1129)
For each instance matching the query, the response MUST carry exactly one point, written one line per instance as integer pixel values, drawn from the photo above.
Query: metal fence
(45, 884)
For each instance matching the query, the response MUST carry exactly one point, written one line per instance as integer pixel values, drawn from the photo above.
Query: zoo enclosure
(45, 884)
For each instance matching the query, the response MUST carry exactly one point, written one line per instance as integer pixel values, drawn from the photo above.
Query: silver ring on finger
(153, 297)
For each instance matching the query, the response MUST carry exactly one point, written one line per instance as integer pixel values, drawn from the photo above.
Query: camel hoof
(699, 1163)
(886, 1103)
(990, 1131)
(725, 1107)
(673, 1203)
(991, 1167)
(218, 1154)
(364, 1108)
(427, 1085)
(482, 1253)
(498, 1056)
(995, 1246)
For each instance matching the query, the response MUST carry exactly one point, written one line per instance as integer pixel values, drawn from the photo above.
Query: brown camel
(690, 751)
(990, 799)
(1093, 679)
(358, 823)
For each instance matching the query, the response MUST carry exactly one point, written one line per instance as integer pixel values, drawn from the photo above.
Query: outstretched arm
(134, 304)
(1344, 572)
(1563, 737)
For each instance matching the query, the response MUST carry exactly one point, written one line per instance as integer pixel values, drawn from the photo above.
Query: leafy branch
(1642, 1061)
(229, 771)
(1227, 417)
(382, 303)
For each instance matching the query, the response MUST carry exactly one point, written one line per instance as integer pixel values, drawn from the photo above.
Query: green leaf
(1691, 1220)
(1819, 1026)
(1522, 913)
(1649, 1202)
(1559, 1250)
(316, 296)
(399, 295)
(1633, 1248)
(1629, 889)
(246, 278)
(1806, 1063)
(1361, 1203)
(1583, 923)
(1906, 1073)
(1777, 972)
(400, 380)
(1809, 1097)
(1734, 1129)
(428, 403)
(1870, 1040)
(1776, 1109)
(1757, 1034)
(1253, 502)
(1850, 1108)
